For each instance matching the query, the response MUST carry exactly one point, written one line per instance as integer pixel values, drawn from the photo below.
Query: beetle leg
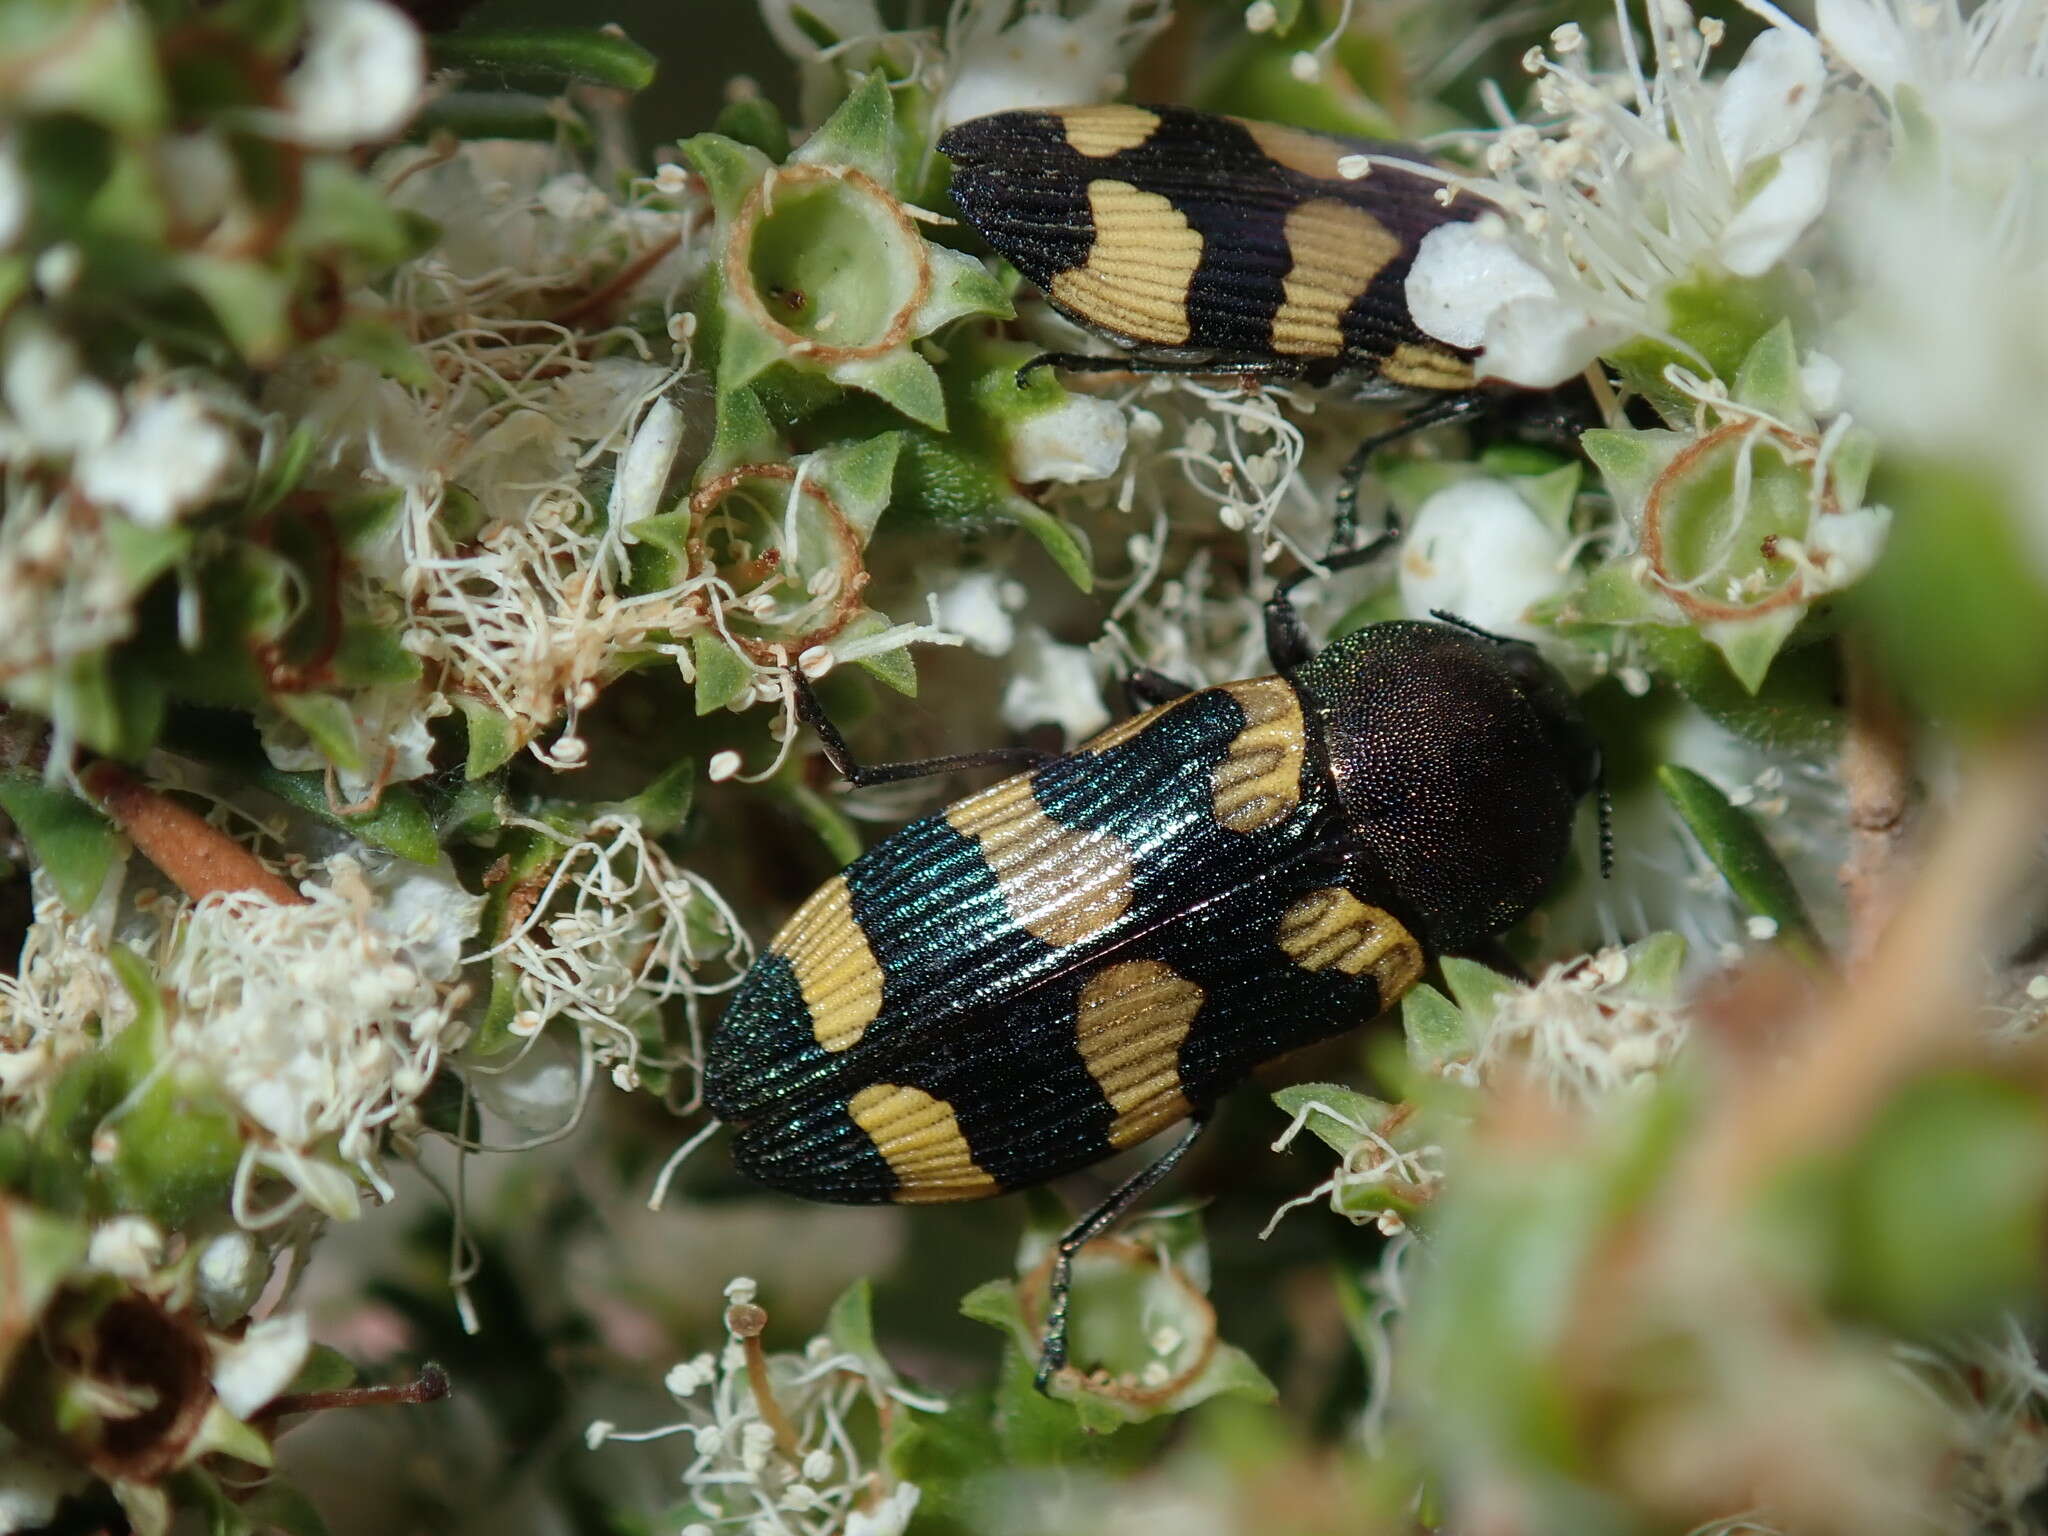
(860, 775)
(1462, 406)
(1286, 639)
(1147, 689)
(1052, 1352)
(1218, 367)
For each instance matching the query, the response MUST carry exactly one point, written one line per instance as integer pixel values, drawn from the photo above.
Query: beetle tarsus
(862, 775)
(1052, 1352)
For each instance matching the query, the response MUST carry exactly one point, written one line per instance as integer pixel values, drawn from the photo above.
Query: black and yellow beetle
(1099, 947)
(1215, 245)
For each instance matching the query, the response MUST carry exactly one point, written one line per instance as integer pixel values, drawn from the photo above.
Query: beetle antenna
(1606, 804)
(1445, 616)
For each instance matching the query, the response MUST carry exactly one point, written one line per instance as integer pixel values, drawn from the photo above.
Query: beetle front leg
(1052, 1351)
(1287, 644)
(1146, 689)
(860, 775)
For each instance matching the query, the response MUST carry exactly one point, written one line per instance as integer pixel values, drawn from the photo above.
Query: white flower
(1980, 72)
(127, 1246)
(392, 726)
(251, 1370)
(169, 456)
(889, 1518)
(57, 408)
(1478, 550)
(1057, 684)
(359, 75)
(1040, 59)
(1081, 438)
(229, 1276)
(309, 1021)
(1580, 1032)
(1651, 182)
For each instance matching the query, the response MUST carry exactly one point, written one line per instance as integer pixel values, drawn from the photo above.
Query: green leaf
(329, 723)
(832, 826)
(664, 805)
(338, 208)
(1796, 709)
(492, 740)
(1735, 845)
(1055, 537)
(75, 845)
(399, 824)
(721, 675)
(754, 122)
(501, 115)
(1751, 645)
(1956, 603)
(1359, 1108)
(539, 55)
(1946, 1209)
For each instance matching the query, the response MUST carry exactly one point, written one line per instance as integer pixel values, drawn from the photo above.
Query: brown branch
(197, 856)
(1877, 770)
(1913, 995)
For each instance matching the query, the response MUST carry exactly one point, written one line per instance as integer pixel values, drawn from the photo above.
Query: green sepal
(1738, 849)
(860, 133)
(492, 742)
(527, 855)
(1795, 709)
(721, 675)
(1436, 1029)
(850, 1325)
(71, 842)
(366, 338)
(329, 723)
(1769, 380)
(342, 210)
(731, 170)
(252, 302)
(900, 378)
(41, 1250)
(664, 804)
(373, 655)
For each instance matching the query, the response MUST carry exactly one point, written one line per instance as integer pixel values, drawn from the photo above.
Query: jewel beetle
(1097, 948)
(1215, 245)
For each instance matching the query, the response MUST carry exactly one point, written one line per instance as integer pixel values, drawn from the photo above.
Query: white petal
(1851, 541)
(889, 1518)
(1766, 100)
(1056, 684)
(1478, 550)
(359, 78)
(1867, 39)
(167, 459)
(971, 606)
(644, 466)
(1461, 277)
(256, 1367)
(1082, 438)
(59, 407)
(1538, 342)
(1765, 227)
